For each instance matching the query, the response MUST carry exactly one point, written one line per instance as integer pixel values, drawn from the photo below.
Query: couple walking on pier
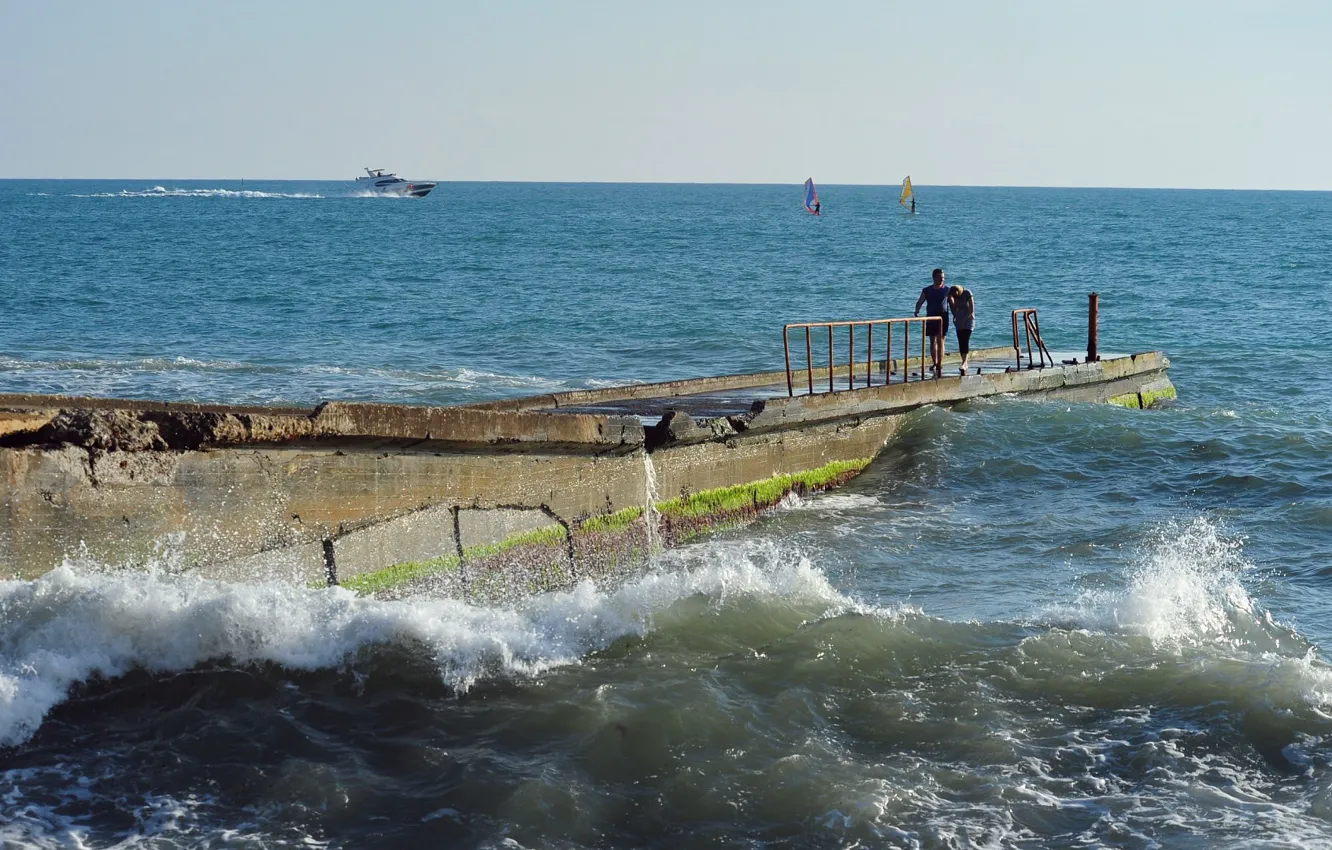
(940, 301)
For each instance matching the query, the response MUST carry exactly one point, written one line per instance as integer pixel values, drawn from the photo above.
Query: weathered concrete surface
(717, 385)
(422, 535)
(144, 426)
(254, 493)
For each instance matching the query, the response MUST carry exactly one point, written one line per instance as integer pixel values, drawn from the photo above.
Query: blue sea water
(1025, 625)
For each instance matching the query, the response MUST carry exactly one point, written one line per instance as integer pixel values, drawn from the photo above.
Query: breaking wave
(81, 622)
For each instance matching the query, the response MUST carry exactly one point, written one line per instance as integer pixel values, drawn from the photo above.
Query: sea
(1025, 625)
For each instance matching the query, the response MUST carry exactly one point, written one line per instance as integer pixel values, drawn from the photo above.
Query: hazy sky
(1048, 92)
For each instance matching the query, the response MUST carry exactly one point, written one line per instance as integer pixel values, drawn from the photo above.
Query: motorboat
(383, 182)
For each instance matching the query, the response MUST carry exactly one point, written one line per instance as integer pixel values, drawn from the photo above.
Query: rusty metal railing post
(869, 355)
(906, 352)
(1017, 349)
(924, 343)
(1093, 319)
(831, 388)
(786, 346)
(888, 359)
(1026, 327)
(851, 366)
(809, 359)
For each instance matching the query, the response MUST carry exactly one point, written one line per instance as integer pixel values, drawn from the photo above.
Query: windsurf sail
(907, 194)
(811, 197)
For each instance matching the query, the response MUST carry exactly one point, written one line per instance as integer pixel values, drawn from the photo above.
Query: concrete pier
(482, 500)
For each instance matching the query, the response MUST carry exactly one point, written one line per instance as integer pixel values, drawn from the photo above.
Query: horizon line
(687, 183)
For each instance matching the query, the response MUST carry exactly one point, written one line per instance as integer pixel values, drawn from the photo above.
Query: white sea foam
(79, 622)
(1185, 588)
(830, 502)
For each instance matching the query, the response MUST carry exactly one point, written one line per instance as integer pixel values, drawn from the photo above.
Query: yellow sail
(906, 191)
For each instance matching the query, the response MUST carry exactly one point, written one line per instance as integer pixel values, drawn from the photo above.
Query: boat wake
(172, 192)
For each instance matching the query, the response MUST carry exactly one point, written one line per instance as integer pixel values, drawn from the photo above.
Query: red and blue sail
(811, 197)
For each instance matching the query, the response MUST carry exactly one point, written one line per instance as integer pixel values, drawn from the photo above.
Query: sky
(1151, 93)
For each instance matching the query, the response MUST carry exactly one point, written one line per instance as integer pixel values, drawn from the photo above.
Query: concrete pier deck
(482, 500)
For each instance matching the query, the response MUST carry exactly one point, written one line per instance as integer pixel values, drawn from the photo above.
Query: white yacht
(383, 182)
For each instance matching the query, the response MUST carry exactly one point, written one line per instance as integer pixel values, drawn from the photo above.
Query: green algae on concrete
(396, 575)
(1146, 397)
(618, 521)
(539, 560)
(761, 494)
(1153, 397)
(729, 507)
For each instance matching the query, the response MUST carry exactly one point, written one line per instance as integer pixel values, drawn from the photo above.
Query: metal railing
(1032, 326)
(869, 361)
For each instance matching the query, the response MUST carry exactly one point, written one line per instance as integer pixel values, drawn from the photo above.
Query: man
(935, 297)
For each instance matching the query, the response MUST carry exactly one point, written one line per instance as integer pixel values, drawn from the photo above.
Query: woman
(963, 307)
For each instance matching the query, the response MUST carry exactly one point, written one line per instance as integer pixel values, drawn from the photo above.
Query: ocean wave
(81, 621)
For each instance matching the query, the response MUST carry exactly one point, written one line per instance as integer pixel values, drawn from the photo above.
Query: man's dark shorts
(936, 328)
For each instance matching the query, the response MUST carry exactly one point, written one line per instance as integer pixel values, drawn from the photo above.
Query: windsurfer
(913, 204)
(817, 206)
(935, 297)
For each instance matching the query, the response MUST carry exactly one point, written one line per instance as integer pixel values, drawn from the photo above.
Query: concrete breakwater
(482, 501)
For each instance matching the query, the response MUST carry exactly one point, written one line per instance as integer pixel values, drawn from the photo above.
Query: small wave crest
(1185, 588)
(1185, 608)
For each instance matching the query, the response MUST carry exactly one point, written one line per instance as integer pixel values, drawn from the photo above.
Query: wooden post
(1093, 318)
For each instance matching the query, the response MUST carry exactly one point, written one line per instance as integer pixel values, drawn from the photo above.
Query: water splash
(1184, 588)
(651, 516)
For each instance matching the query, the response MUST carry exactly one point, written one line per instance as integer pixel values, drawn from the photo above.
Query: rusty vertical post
(831, 388)
(1017, 350)
(786, 346)
(1093, 319)
(906, 352)
(943, 348)
(924, 345)
(869, 354)
(1026, 323)
(809, 359)
(888, 358)
(851, 350)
